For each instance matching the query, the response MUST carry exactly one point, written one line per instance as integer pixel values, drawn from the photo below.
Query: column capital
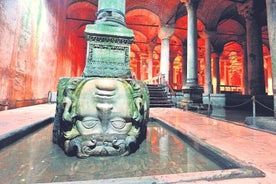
(247, 10)
(218, 49)
(152, 45)
(209, 34)
(190, 3)
(217, 54)
(243, 43)
(165, 32)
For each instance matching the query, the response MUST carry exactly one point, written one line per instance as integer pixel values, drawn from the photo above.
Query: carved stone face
(106, 116)
(106, 107)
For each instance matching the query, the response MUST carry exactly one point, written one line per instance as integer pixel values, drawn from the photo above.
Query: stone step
(159, 97)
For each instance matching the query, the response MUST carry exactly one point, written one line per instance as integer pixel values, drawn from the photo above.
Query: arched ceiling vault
(145, 17)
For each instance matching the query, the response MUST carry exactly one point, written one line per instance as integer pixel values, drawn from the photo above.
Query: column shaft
(192, 92)
(255, 59)
(271, 24)
(192, 79)
(164, 34)
(208, 76)
(245, 70)
(217, 73)
(254, 49)
(184, 64)
(165, 58)
(150, 57)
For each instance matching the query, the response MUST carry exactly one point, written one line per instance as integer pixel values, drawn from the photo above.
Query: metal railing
(252, 100)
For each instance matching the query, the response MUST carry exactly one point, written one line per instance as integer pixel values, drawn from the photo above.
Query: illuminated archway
(78, 15)
(267, 70)
(232, 68)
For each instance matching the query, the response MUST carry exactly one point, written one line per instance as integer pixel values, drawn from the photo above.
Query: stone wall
(34, 51)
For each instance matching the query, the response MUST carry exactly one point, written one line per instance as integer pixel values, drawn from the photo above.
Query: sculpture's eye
(118, 123)
(90, 122)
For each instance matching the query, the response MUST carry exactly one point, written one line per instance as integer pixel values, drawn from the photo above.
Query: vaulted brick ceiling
(145, 17)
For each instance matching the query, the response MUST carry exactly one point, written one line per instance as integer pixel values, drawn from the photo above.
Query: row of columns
(253, 60)
(253, 54)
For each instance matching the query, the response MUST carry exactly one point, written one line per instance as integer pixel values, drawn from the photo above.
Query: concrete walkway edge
(17, 134)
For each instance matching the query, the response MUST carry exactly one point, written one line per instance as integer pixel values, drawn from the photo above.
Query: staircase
(159, 97)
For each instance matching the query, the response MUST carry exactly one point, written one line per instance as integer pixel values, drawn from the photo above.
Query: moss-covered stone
(97, 116)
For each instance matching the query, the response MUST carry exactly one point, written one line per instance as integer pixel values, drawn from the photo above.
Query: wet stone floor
(35, 159)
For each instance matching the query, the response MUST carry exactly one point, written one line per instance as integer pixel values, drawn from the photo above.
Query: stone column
(118, 9)
(192, 91)
(138, 67)
(192, 79)
(171, 70)
(245, 69)
(165, 34)
(271, 24)
(150, 58)
(184, 63)
(208, 75)
(143, 65)
(254, 48)
(217, 72)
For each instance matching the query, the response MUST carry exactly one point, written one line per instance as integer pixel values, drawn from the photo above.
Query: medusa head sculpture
(100, 116)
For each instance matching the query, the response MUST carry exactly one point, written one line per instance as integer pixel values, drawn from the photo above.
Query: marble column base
(192, 97)
(192, 94)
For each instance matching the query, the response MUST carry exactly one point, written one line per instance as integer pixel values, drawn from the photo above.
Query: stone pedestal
(193, 94)
(192, 97)
(108, 44)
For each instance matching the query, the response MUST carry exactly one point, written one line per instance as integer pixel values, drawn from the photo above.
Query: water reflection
(37, 159)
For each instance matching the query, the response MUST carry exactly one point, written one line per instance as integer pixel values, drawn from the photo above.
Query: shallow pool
(36, 159)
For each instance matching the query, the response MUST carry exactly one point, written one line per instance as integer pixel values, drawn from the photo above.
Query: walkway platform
(249, 146)
(16, 123)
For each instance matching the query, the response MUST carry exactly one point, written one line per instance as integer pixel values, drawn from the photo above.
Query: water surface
(36, 159)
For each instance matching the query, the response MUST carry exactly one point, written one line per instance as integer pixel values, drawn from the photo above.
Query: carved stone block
(100, 116)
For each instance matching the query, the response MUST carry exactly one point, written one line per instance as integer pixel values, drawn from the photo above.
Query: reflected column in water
(163, 145)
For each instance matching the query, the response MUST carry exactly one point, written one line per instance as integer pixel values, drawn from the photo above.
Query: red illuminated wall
(43, 40)
(36, 50)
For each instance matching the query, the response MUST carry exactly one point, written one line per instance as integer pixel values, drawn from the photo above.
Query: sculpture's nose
(104, 93)
(104, 108)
